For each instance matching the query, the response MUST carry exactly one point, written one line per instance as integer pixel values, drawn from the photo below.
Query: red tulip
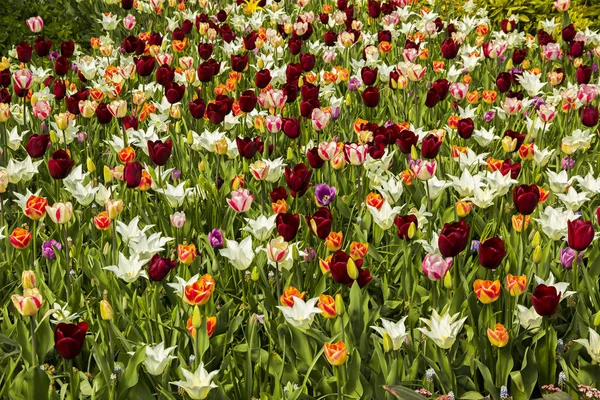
(465, 128)
(160, 152)
(430, 146)
(133, 174)
(407, 140)
(69, 338)
(580, 234)
(197, 108)
(526, 198)
(287, 225)
(160, 267)
(37, 145)
(403, 223)
(205, 50)
(453, 238)
(247, 147)
(103, 114)
(449, 49)
(371, 96)
(298, 179)
(491, 252)
(60, 164)
(174, 92)
(262, 78)
(291, 127)
(320, 222)
(145, 65)
(24, 52)
(239, 63)
(545, 300)
(248, 101)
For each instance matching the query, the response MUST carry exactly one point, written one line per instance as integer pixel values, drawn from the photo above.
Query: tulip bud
(196, 318)
(91, 167)
(537, 255)
(178, 124)
(448, 280)
(53, 137)
(597, 319)
(255, 275)
(190, 137)
(535, 242)
(201, 165)
(106, 311)
(215, 265)
(388, 344)
(28, 279)
(413, 152)
(348, 100)
(339, 304)
(290, 154)
(352, 270)
(107, 174)
(412, 229)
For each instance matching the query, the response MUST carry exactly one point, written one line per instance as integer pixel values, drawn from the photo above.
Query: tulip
(113, 208)
(499, 336)
(215, 238)
(69, 339)
(132, 174)
(28, 280)
(241, 200)
(335, 353)
(287, 298)
(453, 238)
(29, 304)
(334, 241)
(526, 198)
(487, 291)
(327, 305)
(491, 252)
(580, 234)
(106, 310)
(178, 219)
(23, 79)
(259, 170)
(406, 225)
(320, 222)
(160, 267)
(545, 300)
(60, 213)
(424, 170)
(160, 152)
(186, 253)
(516, 284)
(298, 179)
(277, 249)
(340, 266)
(41, 109)
(35, 24)
(435, 266)
(199, 292)
(324, 194)
(35, 207)
(20, 238)
(371, 96)
(101, 221)
(60, 164)
(287, 225)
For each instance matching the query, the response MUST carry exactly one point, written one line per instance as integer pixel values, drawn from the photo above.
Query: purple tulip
(324, 194)
(489, 116)
(48, 249)
(311, 254)
(567, 255)
(215, 237)
(567, 163)
(353, 84)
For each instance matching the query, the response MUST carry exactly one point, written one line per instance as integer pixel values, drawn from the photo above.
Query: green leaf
(401, 392)
(130, 377)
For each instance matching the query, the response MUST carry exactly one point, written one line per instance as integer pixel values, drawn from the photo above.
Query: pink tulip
(547, 112)
(23, 79)
(458, 90)
(274, 123)
(355, 153)
(512, 105)
(562, 5)
(129, 22)
(240, 200)
(35, 24)
(164, 58)
(274, 98)
(435, 266)
(551, 51)
(587, 93)
(327, 150)
(319, 119)
(423, 169)
(41, 109)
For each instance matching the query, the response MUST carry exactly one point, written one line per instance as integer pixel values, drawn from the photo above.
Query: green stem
(575, 268)
(33, 345)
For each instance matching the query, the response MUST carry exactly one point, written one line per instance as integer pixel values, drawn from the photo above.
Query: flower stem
(33, 346)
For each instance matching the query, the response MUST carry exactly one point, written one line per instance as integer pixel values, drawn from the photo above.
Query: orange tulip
(145, 182)
(279, 207)
(102, 221)
(127, 155)
(287, 298)
(186, 253)
(520, 223)
(199, 292)
(20, 238)
(374, 200)
(35, 207)
(487, 291)
(334, 241)
(327, 305)
(324, 264)
(358, 251)
(335, 353)
(211, 324)
(499, 336)
(526, 151)
(516, 284)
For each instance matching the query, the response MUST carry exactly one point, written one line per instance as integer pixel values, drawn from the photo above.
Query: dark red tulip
(5, 78)
(430, 146)
(132, 174)
(465, 128)
(37, 145)
(314, 160)
(24, 52)
(403, 223)
(126, 4)
(406, 141)
(205, 71)
(441, 87)
(503, 82)
(226, 33)
(330, 38)
(374, 9)
(247, 147)
(544, 38)
(298, 179)
(216, 113)
(73, 101)
(160, 267)
(307, 61)
(453, 238)
(580, 234)
(589, 115)
(384, 36)
(62, 65)
(287, 225)
(371, 96)
(339, 270)
(42, 46)
(526, 198)
(290, 89)
(69, 339)
(520, 137)
(320, 222)
(239, 63)
(449, 49)
(59, 89)
(160, 152)
(576, 48)
(60, 164)
(291, 127)
(174, 92)
(133, 44)
(324, 18)
(508, 167)
(197, 108)
(568, 33)
(262, 79)
(309, 92)
(432, 98)
(293, 72)
(221, 16)
(248, 101)
(545, 300)
(491, 252)
(518, 56)
(103, 114)
(279, 193)
(130, 122)
(507, 26)
(205, 50)
(368, 75)
(67, 48)
(155, 39)
(250, 41)
(164, 75)
(584, 74)
(145, 65)
(307, 107)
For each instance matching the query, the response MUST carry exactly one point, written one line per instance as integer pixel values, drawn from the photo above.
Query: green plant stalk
(33, 344)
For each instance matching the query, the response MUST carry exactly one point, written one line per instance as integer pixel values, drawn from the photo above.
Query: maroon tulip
(568, 33)
(581, 234)
(432, 98)
(508, 167)
(384, 36)
(262, 78)
(73, 101)
(307, 61)
(518, 56)
(403, 223)
(127, 4)
(67, 48)
(60, 164)
(516, 135)
(290, 90)
(174, 92)
(368, 75)
(247, 147)
(545, 300)
(279, 193)
(320, 222)
(197, 108)
(314, 160)
(430, 146)
(155, 39)
(5, 78)
(441, 87)
(371, 96)
(309, 92)
(164, 75)
(374, 9)
(248, 101)
(526, 198)
(37, 145)
(449, 49)
(103, 114)
(59, 89)
(406, 141)
(507, 26)
(291, 127)
(250, 41)
(69, 339)
(544, 38)
(132, 174)
(216, 113)
(132, 44)
(130, 122)
(465, 128)
(239, 63)
(503, 82)
(589, 115)
(287, 225)
(159, 151)
(576, 48)
(24, 52)
(339, 270)
(160, 267)
(584, 74)
(145, 65)
(330, 38)
(62, 65)
(205, 72)
(205, 50)
(453, 238)
(491, 252)
(42, 46)
(298, 179)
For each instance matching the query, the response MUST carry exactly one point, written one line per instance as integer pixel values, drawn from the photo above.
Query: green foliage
(63, 20)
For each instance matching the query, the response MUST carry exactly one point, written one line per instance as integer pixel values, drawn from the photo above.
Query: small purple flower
(215, 238)
(324, 194)
(388, 123)
(81, 136)
(595, 67)
(475, 246)
(353, 84)
(335, 113)
(311, 254)
(74, 67)
(567, 255)
(502, 58)
(49, 247)
(53, 55)
(175, 174)
(567, 163)
(489, 116)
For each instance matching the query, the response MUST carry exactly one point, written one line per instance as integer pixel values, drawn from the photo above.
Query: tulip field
(307, 199)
